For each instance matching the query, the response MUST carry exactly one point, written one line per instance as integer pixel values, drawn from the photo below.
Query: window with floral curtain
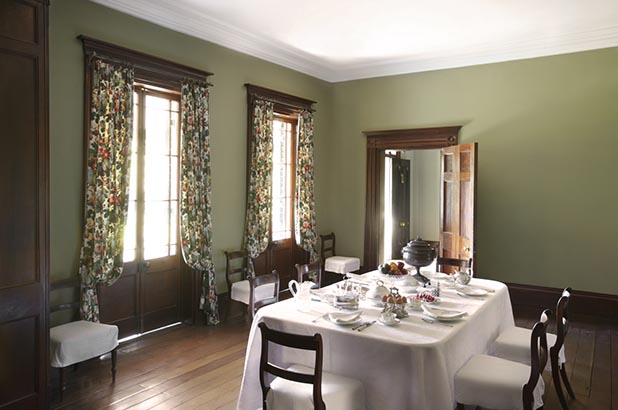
(280, 219)
(107, 180)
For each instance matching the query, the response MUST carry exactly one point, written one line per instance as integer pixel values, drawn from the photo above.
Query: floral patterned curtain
(195, 205)
(304, 207)
(259, 193)
(107, 181)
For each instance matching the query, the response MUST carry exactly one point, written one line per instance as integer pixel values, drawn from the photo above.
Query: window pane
(156, 229)
(157, 177)
(174, 178)
(130, 233)
(133, 181)
(279, 180)
(174, 128)
(173, 222)
(157, 126)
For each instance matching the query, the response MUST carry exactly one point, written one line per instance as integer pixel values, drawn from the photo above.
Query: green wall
(547, 130)
(68, 19)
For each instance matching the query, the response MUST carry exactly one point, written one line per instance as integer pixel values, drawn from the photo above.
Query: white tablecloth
(409, 366)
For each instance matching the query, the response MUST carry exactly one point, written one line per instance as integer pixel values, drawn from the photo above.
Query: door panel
(23, 205)
(457, 202)
(400, 185)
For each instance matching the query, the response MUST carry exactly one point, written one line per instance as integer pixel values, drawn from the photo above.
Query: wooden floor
(201, 368)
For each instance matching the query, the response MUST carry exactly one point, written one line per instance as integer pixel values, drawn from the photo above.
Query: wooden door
(400, 183)
(457, 201)
(149, 289)
(23, 205)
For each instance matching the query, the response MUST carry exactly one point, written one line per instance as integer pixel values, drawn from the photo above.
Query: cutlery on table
(319, 317)
(364, 326)
(435, 322)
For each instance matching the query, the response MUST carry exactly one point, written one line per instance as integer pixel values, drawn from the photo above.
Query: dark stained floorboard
(198, 367)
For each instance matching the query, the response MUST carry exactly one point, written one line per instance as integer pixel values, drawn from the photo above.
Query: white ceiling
(338, 40)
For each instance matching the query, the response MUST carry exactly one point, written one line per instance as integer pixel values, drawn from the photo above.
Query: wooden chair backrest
(458, 263)
(295, 341)
(538, 358)
(309, 271)
(562, 320)
(327, 250)
(262, 280)
(235, 266)
(74, 284)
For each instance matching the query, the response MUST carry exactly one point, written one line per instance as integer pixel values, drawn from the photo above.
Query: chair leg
(556, 379)
(61, 382)
(114, 365)
(565, 379)
(460, 406)
(227, 309)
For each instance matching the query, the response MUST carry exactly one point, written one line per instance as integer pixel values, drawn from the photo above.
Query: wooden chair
(512, 345)
(496, 383)
(309, 271)
(333, 263)
(236, 263)
(562, 328)
(457, 263)
(78, 340)
(264, 291)
(320, 389)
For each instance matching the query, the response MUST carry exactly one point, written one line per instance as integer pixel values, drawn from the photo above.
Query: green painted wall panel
(547, 130)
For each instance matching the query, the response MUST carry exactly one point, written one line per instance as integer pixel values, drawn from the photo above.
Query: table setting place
(360, 302)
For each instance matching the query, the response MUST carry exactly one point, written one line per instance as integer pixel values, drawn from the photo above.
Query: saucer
(393, 323)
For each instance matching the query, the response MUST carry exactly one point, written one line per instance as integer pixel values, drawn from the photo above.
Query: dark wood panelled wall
(24, 206)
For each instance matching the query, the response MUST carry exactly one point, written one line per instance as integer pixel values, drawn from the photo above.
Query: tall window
(284, 138)
(152, 225)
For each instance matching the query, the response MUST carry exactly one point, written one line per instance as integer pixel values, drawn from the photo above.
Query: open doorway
(411, 198)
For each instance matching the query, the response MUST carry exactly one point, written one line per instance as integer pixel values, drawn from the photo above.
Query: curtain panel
(304, 206)
(195, 205)
(259, 191)
(107, 181)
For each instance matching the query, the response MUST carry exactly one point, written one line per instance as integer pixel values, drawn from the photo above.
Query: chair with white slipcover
(331, 262)
(75, 342)
(300, 387)
(239, 286)
(500, 384)
(512, 345)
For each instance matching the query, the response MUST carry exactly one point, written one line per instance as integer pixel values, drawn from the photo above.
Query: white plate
(443, 314)
(345, 323)
(340, 316)
(437, 275)
(393, 323)
(469, 291)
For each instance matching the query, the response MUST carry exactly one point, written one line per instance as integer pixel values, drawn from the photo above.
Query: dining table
(409, 366)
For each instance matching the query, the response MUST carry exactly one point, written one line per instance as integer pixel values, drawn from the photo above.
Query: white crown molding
(207, 28)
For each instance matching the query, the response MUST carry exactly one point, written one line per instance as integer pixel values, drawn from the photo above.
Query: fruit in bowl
(393, 268)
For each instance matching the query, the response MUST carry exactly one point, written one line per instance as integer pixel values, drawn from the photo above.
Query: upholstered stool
(78, 341)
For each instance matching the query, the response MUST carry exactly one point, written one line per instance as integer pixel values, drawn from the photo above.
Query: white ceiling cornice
(179, 18)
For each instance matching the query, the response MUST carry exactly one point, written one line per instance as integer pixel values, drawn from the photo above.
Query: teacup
(388, 317)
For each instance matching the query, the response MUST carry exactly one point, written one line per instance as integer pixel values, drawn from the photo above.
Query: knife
(364, 326)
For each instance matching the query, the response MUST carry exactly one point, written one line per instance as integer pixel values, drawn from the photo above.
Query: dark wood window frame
(377, 143)
(154, 73)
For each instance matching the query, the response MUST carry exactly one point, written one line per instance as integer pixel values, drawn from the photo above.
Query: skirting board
(583, 305)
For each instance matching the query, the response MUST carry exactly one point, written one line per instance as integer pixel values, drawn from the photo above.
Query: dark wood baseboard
(589, 306)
